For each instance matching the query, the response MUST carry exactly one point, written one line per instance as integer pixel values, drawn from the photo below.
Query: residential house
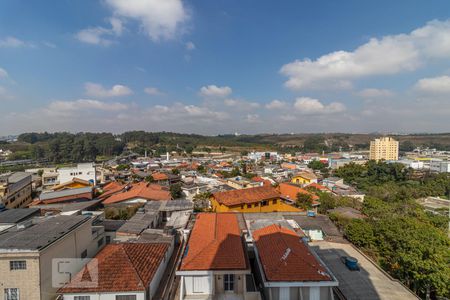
(15, 189)
(240, 182)
(125, 271)
(74, 183)
(257, 199)
(304, 178)
(66, 196)
(215, 263)
(290, 191)
(84, 171)
(135, 193)
(28, 249)
(288, 269)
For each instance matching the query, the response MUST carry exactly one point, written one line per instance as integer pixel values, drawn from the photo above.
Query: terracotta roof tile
(215, 244)
(121, 267)
(139, 190)
(160, 176)
(290, 191)
(284, 256)
(250, 195)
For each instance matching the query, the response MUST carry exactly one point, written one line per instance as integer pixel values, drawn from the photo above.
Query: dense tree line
(408, 242)
(67, 147)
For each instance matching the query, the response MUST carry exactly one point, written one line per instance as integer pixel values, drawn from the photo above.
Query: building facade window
(100, 242)
(84, 254)
(82, 298)
(17, 265)
(126, 297)
(108, 239)
(228, 282)
(12, 294)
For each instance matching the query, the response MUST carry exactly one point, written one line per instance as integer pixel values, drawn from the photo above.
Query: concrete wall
(71, 246)
(27, 281)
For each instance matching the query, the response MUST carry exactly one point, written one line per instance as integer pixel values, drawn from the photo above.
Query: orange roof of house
(74, 180)
(260, 179)
(111, 188)
(250, 195)
(215, 244)
(319, 187)
(121, 267)
(290, 191)
(160, 176)
(284, 256)
(140, 190)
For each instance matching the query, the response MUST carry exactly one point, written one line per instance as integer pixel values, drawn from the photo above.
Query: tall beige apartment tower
(384, 148)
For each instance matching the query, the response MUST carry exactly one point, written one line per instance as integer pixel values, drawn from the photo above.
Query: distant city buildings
(385, 148)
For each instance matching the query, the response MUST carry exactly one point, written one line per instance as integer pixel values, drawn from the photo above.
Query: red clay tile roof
(121, 267)
(250, 195)
(140, 190)
(284, 257)
(319, 187)
(260, 179)
(160, 176)
(215, 244)
(288, 190)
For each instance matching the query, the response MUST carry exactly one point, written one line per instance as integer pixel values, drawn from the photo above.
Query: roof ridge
(123, 246)
(291, 252)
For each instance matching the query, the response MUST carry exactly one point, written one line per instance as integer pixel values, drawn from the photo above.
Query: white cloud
(3, 73)
(306, 105)
(241, 104)
(97, 90)
(153, 91)
(253, 118)
(435, 85)
(384, 56)
(375, 93)
(190, 46)
(57, 107)
(213, 91)
(159, 19)
(276, 104)
(12, 42)
(100, 35)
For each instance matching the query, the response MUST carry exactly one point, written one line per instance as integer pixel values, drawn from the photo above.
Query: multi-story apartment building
(15, 189)
(385, 148)
(28, 249)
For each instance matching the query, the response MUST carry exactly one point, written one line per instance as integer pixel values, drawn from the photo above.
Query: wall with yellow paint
(300, 180)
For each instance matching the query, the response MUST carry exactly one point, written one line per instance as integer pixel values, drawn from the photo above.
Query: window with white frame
(82, 298)
(228, 282)
(126, 297)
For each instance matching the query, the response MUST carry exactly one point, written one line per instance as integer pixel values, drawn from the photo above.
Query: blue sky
(224, 66)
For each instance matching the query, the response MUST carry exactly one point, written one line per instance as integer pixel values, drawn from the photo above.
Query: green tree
(304, 200)
(175, 191)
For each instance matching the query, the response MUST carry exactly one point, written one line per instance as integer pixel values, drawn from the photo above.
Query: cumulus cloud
(153, 91)
(214, 91)
(310, 106)
(375, 93)
(434, 85)
(83, 104)
(190, 46)
(241, 104)
(97, 90)
(276, 104)
(101, 35)
(379, 56)
(158, 19)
